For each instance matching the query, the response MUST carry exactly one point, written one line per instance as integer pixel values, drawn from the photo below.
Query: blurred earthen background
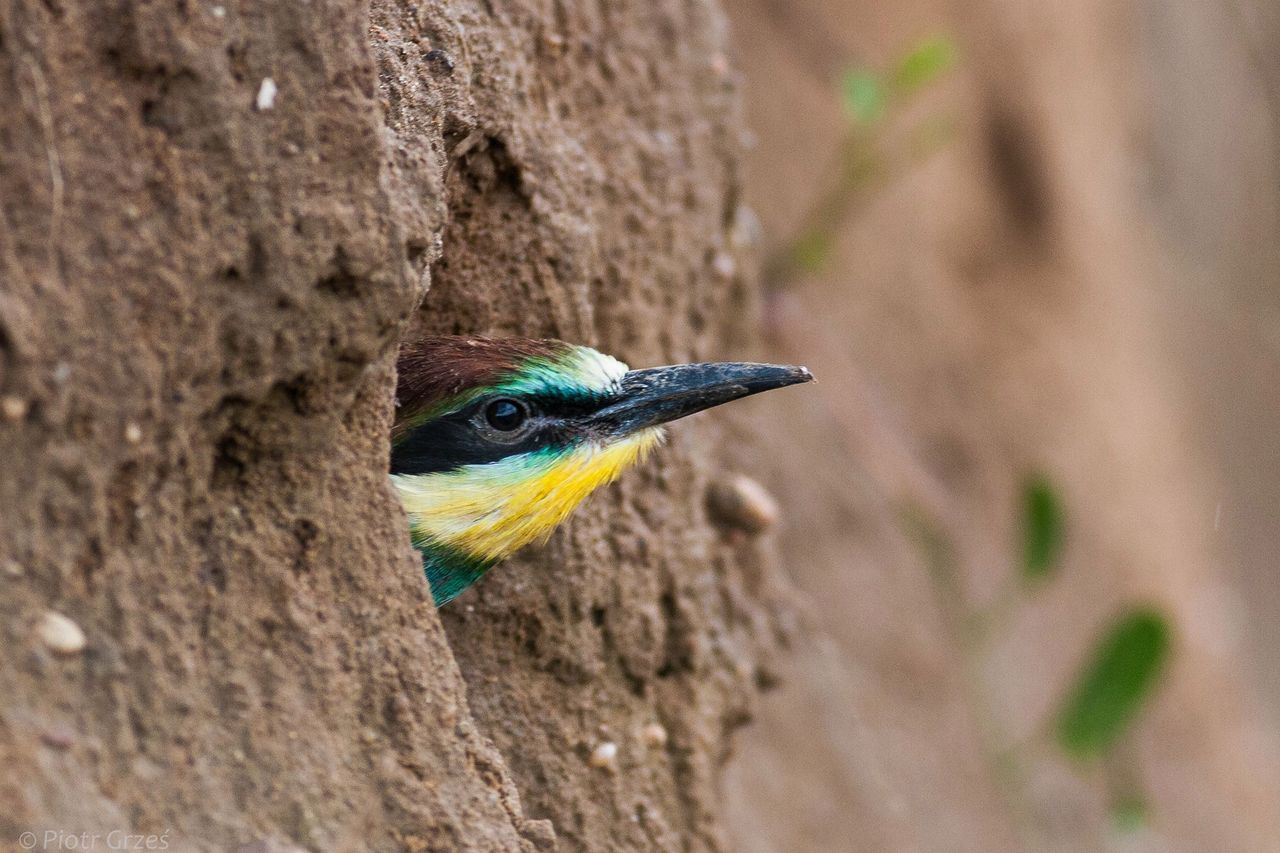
(1081, 284)
(1049, 272)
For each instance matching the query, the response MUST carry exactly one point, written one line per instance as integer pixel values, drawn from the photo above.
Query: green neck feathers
(449, 572)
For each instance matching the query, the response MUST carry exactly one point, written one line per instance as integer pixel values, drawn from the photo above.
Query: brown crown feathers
(432, 369)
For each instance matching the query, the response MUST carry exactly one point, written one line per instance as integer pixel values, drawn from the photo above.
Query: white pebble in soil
(654, 735)
(266, 95)
(60, 634)
(605, 756)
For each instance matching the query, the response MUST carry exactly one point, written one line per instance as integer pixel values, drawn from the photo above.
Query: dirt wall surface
(218, 220)
(600, 206)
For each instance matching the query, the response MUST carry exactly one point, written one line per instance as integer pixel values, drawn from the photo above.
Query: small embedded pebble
(14, 408)
(58, 737)
(724, 265)
(540, 833)
(266, 94)
(746, 230)
(605, 756)
(654, 735)
(60, 634)
(742, 503)
(132, 433)
(440, 59)
(14, 569)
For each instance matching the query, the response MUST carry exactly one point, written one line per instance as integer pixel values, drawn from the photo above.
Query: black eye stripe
(466, 437)
(451, 442)
(459, 438)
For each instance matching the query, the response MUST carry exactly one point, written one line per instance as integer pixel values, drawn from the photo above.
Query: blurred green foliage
(930, 59)
(1115, 682)
(1042, 529)
(1129, 814)
(868, 92)
(1120, 677)
(810, 251)
(879, 143)
(868, 154)
(863, 96)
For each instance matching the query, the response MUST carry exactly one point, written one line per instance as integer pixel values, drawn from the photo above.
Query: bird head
(497, 440)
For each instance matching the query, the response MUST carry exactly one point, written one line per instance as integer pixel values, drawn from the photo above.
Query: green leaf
(1121, 676)
(1129, 814)
(928, 60)
(811, 250)
(1042, 529)
(863, 96)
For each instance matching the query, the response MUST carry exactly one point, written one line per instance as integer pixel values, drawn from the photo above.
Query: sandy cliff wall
(218, 220)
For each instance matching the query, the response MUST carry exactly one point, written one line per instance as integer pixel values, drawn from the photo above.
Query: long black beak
(659, 394)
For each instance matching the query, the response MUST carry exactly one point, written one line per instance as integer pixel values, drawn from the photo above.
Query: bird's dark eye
(505, 415)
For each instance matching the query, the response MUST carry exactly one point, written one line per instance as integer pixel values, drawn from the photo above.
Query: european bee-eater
(496, 440)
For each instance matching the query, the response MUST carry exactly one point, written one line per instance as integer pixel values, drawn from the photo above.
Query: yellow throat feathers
(488, 511)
